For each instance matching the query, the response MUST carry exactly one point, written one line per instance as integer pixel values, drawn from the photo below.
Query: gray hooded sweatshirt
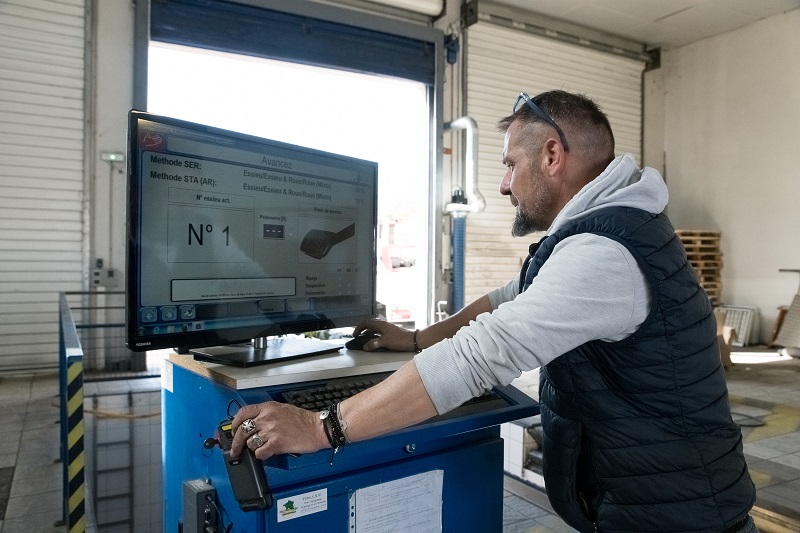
(590, 288)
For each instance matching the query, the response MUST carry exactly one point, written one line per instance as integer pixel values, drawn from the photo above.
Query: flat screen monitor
(233, 237)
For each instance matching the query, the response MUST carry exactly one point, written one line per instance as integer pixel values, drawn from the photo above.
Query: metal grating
(745, 320)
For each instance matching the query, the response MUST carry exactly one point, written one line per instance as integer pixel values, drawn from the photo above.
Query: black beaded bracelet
(337, 433)
(325, 427)
(333, 428)
(325, 415)
(414, 338)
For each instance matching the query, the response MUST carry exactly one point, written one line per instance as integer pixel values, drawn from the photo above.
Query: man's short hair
(585, 126)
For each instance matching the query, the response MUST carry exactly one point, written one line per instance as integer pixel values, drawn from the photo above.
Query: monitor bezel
(185, 341)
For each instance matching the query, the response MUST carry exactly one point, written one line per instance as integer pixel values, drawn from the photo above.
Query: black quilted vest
(638, 433)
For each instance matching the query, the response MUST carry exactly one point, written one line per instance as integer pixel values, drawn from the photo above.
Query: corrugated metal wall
(502, 62)
(42, 44)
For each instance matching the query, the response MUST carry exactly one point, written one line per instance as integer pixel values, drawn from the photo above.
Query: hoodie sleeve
(590, 288)
(503, 294)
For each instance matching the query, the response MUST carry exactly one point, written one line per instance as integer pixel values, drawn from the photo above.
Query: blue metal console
(464, 448)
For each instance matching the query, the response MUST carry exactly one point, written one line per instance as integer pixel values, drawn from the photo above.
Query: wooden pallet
(704, 255)
(698, 233)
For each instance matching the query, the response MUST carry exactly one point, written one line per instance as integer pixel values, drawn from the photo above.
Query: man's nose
(505, 184)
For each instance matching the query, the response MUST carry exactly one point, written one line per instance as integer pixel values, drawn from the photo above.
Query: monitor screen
(232, 237)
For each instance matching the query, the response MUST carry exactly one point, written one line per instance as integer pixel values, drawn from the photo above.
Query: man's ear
(553, 156)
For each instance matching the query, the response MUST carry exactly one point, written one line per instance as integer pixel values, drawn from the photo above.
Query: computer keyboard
(320, 396)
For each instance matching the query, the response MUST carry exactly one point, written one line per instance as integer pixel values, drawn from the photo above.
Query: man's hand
(397, 339)
(391, 337)
(278, 428)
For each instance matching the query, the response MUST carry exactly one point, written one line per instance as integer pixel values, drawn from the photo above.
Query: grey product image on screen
(234, 237)
(317, 242)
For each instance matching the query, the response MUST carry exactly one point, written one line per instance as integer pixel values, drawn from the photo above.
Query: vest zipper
(586, 511)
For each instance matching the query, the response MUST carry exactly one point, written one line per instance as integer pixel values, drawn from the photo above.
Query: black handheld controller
(246, 474)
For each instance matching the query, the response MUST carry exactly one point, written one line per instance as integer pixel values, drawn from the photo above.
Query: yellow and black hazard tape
(76, 493)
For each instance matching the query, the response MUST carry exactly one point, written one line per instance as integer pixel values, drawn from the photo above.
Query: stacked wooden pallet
(703, 251)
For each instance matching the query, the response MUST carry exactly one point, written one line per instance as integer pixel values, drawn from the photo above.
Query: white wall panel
(42, 47)
(731, 130)
(501, 63)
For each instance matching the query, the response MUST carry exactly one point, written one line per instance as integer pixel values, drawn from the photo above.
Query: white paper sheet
(409, 505)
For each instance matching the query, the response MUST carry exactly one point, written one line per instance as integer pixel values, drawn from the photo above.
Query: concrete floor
(765, 399)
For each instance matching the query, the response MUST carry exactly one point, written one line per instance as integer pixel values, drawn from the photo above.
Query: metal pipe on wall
(470, 201)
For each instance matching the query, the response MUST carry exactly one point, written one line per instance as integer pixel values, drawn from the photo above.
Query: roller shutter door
(502, 62)
(41, 173)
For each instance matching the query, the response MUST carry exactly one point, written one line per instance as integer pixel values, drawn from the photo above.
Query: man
(638, 434)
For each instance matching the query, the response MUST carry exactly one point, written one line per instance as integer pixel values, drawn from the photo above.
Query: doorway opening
(371, 117)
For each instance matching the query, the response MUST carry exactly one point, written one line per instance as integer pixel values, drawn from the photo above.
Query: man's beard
(525, 224)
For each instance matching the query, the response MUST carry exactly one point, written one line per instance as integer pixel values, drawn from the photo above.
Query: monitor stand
(262, 352)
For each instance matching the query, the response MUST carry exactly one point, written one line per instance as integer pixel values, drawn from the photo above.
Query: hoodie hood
(622, 184)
